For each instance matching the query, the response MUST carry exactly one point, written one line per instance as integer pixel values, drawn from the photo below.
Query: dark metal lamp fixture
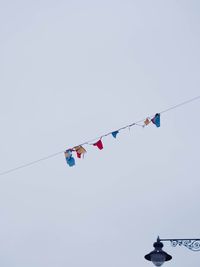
(158, 256)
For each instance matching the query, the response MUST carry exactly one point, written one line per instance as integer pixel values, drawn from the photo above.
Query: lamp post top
(158, 256)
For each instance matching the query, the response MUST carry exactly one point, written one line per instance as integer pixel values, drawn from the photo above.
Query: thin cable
(137, 122)
(181, 104)
(31, 163)
(104, 135)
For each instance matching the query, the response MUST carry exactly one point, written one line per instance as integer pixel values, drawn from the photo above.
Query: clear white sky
(70, 71)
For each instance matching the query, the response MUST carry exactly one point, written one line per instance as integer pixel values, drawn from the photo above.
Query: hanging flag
(70, 161)
(114, 134)
(69, 158)
(80, 151)
(147, 121)
(156, 120)
(99, 144)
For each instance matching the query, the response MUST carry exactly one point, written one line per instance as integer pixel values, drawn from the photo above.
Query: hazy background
(71, 71)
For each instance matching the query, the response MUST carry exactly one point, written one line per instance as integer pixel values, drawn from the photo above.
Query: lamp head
(158, 256)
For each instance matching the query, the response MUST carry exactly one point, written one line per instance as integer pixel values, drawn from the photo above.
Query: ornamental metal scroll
(192, 244)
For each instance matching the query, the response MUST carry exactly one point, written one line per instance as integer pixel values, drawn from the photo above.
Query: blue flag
(114, 134)
(70, 160)
(156, 120)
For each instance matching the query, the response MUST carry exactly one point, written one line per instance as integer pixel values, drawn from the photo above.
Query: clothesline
(90, 142)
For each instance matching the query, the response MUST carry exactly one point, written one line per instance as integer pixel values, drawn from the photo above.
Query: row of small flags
(80, 150)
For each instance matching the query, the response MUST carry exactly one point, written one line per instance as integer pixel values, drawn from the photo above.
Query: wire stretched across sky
(137, 123)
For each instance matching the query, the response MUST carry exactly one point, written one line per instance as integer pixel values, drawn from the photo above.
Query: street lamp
(158, 256)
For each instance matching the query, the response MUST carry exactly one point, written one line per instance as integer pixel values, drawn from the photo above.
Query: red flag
(99, 144)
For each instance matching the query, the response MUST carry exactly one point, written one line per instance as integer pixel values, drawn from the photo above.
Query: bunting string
(97, 142)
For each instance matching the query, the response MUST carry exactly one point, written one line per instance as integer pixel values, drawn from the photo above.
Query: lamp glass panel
(158, 258)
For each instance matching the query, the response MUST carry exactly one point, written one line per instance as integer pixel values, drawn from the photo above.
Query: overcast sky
(71, 71)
